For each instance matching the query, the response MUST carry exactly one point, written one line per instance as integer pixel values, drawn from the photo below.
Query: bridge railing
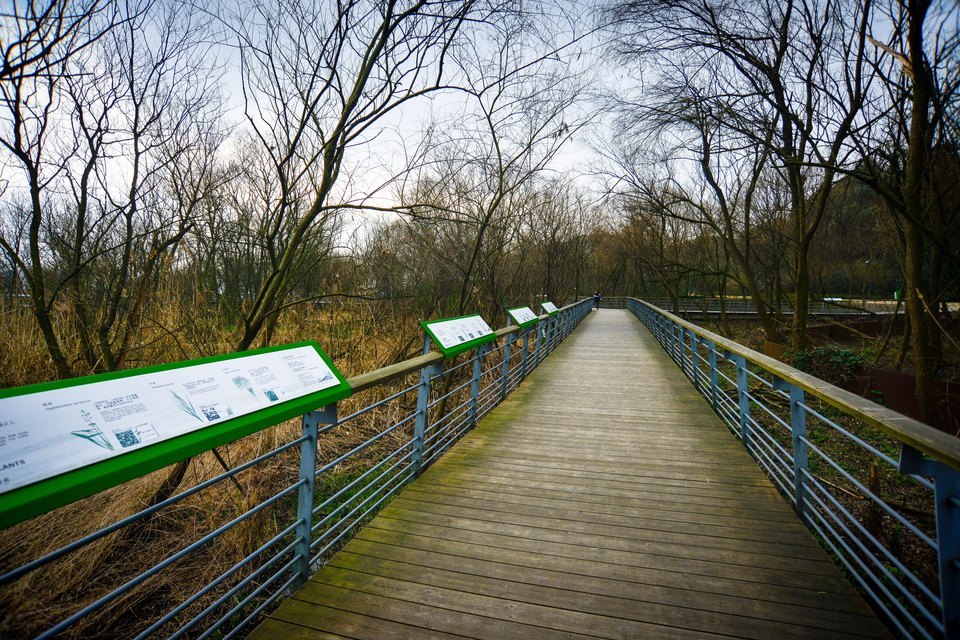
(299, 495)
(880, 490)
(740, 306)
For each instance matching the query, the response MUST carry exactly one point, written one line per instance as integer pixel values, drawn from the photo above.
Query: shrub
(829, 363)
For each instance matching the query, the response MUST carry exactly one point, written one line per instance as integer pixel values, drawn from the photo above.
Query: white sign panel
(521, 315)
(549, 307)
(47, 433)
(450, 333)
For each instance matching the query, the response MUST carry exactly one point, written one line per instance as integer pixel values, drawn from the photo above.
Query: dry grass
(360, 338)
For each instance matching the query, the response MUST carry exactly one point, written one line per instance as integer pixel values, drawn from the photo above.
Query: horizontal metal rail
(740, 306)
(879, 489)
(312, 502)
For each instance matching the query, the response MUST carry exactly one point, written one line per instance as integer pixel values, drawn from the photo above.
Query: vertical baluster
(714, 377)
(308, 478)
(475, 384)
(505, 374)
(682, 344)
(538, 341)
(743, 396)
(678, 346)
(798, 426)
(524, 355)
(946, 496)
(420, 422)
(695, 359)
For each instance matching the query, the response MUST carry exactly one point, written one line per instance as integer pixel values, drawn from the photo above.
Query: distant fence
(744, 307)
(880, 490)
(327, 496)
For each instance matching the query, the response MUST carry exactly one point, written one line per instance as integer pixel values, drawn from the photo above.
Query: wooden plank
(602, 499)
(814, 598)
(475, 615)
(272, 628)
(733, 506)
(740, 528)
(618, 523)
(686, 487)
(671, 607)
(369, 621)
(680, 556)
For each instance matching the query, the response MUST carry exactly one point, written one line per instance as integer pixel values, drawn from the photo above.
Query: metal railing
(881, 491)
(741, 306)
(295, 501)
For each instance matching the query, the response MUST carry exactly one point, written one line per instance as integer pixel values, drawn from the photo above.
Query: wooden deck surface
(602, 499)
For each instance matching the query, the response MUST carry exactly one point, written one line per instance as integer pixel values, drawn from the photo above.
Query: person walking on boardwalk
(596, 299)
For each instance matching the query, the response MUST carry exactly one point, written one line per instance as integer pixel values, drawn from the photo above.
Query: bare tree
(485, 167)
(39, 37)
(95, 144)
(318, 79)
(910, 160)
(794, 69)
(701, 173)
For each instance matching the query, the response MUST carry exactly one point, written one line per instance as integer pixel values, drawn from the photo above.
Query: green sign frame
(45, 495)
(523, 325)
(547, 311)
(449, 352)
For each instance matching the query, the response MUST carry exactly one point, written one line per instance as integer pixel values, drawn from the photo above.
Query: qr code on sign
(127, 438)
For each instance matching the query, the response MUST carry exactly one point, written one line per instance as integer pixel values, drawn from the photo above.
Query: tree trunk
(923, 359)
(801, 305)
(45, 322)
(915, 181)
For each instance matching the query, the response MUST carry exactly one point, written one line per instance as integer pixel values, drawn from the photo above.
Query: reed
(360, 337)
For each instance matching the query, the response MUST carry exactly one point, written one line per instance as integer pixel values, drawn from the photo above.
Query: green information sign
(523, 316)
(550, 308)
(456, 335)
(62, 441)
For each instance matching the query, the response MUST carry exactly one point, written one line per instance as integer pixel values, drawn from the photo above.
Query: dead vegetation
(361, 337)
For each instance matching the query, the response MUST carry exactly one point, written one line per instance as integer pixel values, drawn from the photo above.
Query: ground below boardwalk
(602, 499)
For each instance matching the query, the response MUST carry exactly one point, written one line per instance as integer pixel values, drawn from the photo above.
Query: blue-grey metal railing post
(714, 377)
(420, 422)
(671, 335)
(475, 383)
(538, 337)
(678, 346)
(524, 354)
(695, 359)
(946, 495)
(673, 342)
(798, 427)
(308, 477)
(798, 430)
(743, 397)
(547, 336)
(505, 373)
(680, 342)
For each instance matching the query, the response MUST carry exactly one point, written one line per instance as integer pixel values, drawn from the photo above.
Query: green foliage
(829, 363)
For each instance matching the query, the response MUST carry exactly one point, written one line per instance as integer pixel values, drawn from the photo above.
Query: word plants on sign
(51, 429)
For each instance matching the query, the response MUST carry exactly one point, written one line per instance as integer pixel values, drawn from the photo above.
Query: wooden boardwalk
(602, 499)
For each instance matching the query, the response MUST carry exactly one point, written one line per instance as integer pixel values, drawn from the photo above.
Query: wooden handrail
(920, 436)
(383, 375)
